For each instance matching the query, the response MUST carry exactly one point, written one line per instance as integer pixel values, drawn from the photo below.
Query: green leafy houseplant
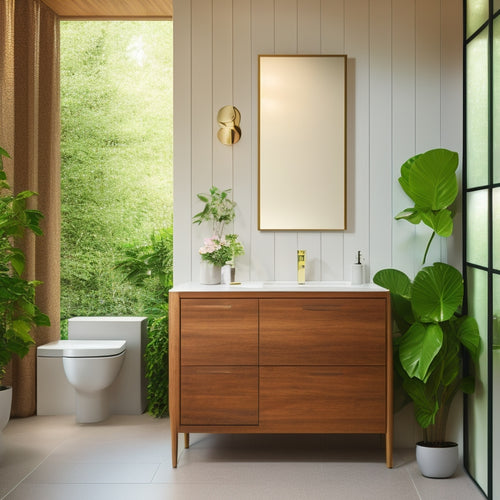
(149, 266)
(431, 332)
(18, 311)
(218, 210)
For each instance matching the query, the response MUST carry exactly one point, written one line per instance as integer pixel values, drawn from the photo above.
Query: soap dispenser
(357, 271)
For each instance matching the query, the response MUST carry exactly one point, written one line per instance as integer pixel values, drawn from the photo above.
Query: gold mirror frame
(302, 142)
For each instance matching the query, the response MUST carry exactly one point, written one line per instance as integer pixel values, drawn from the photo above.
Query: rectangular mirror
(302, 142)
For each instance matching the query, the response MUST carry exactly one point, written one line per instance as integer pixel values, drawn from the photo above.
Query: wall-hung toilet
(128, 393)
(90, 367)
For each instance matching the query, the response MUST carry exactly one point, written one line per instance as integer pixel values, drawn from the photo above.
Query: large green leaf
(395, 281)
(418, 348)
(404, 180)
(402, 312)
(400, 287)
(437, 292)
(451, 362)
(426, 405)
(441, 222)
(432, 182)
(412, 215)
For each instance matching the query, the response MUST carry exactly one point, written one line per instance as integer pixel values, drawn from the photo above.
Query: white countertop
(280, 286)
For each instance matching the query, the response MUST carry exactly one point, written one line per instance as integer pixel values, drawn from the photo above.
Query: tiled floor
(128, 457)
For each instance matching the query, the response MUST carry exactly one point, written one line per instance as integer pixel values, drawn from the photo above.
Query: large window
(116, 151)
(482, 235)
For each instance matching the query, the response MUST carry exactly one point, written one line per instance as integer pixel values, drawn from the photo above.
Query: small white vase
(5, 406)
(438, 462)
(209, 273)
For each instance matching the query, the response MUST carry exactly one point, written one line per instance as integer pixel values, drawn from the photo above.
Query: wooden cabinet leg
(174, 438)
(388, 450)
(186, 440)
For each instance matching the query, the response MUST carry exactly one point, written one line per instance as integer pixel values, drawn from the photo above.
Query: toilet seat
(82, 348)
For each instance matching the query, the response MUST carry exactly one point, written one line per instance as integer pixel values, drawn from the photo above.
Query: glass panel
(496, 6)
(496, 98)
(478, 401)
(477, 14)
(477, 111)
(496, 228)
(496, 385)
(477, 227)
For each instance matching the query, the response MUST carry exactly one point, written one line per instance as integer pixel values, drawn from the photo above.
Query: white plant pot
(5, 406)
(209, 273)
(437, 462)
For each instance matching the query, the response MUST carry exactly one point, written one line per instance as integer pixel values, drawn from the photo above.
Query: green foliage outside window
(116, 163)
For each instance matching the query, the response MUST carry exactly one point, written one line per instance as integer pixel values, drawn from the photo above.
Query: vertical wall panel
(182, 141)
(427, 100)
(222, 88)
(357, 30)
(309, 23)
(285, 24)
(380, 138)
(285, 40)
(332, 26)
(243, 188)
(201, 116)
(403, 127)
(309, 42)
(263, 250)
(332, 42)
(451, 110)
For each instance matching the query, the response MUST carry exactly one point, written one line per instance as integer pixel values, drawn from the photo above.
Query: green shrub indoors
(149, 266)
(18, 311)
(431, 333)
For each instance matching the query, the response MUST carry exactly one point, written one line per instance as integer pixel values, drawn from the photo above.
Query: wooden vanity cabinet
(219, 362)
(280, 362)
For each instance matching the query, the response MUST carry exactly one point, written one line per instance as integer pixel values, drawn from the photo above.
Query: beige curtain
(29, 131)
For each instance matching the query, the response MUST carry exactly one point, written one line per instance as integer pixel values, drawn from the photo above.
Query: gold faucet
(301, 267)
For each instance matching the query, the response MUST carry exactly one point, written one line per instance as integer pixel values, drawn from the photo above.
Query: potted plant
(219, 249)
(431, 333)
(218, 210)
(18, 312)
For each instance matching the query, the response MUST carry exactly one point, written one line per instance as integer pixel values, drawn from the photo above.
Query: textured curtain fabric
(29, 131)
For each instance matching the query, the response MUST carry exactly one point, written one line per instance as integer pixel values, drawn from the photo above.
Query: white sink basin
(287, 285)
(279, 286)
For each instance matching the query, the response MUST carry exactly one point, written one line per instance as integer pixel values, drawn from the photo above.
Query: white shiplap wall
(404, 97)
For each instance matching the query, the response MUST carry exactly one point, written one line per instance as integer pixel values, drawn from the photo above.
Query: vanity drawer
(323, 331)
(219, 395)
(219, 332)
(344, 399)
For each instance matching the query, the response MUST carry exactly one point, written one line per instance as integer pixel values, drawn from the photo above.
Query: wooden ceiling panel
(111, 9)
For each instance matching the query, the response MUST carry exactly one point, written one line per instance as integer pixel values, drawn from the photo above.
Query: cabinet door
(219, 395)
(346, 399)
(322, 331)
(219, 332)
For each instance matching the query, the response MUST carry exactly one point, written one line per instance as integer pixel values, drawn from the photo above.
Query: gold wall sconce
(229, 118)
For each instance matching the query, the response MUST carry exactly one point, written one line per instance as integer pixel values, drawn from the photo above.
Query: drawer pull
(219, 307)
(218, 372)
(320, 308)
